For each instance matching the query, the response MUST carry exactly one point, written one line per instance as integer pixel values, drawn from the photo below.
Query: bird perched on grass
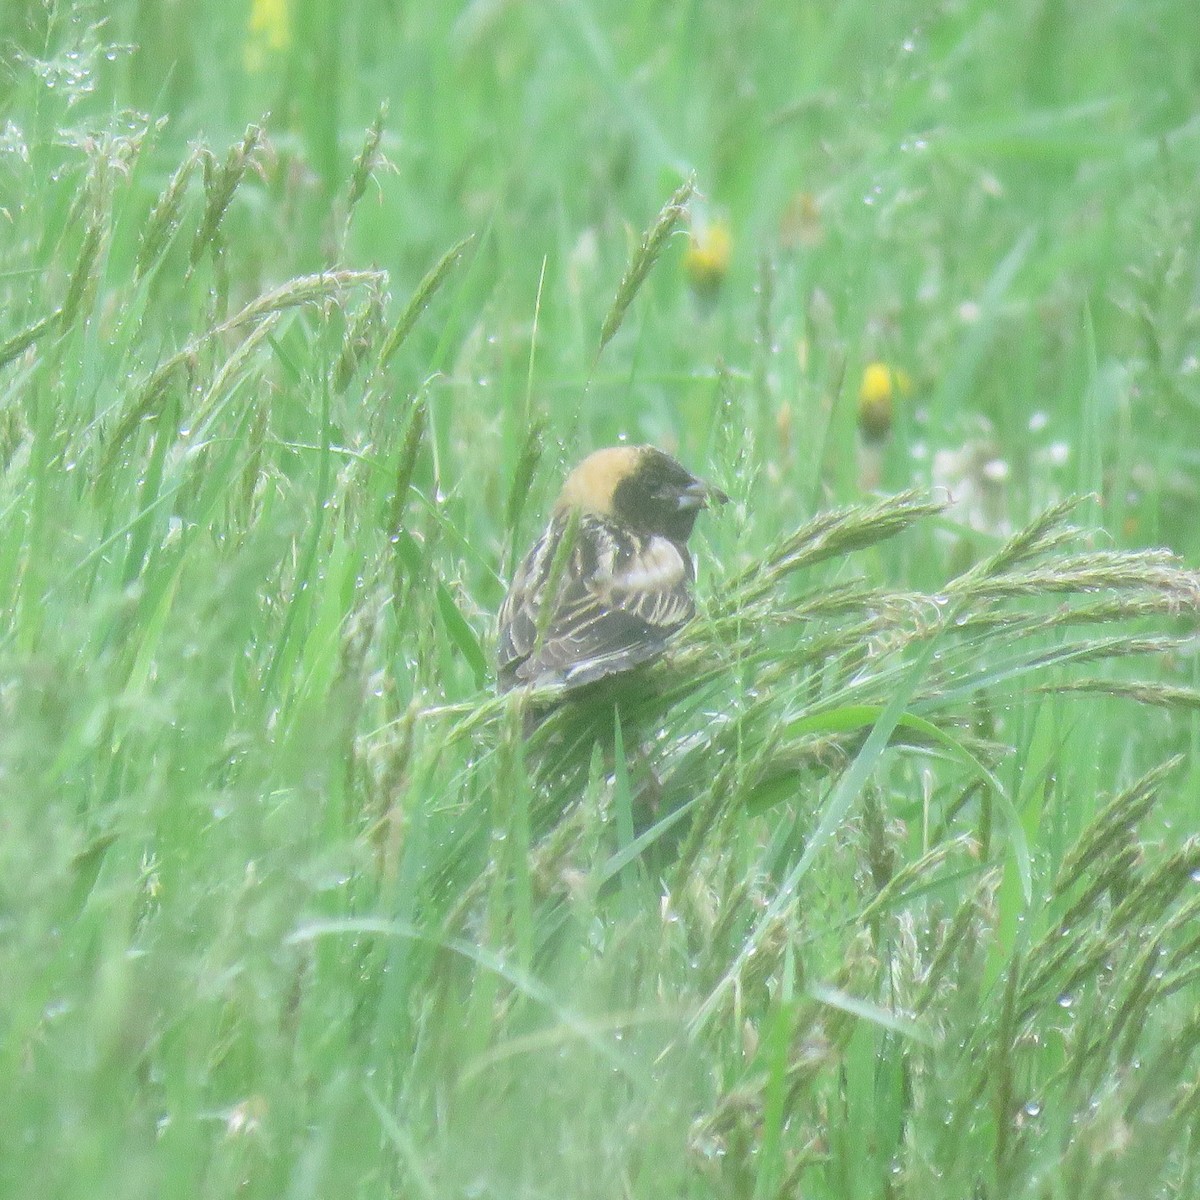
(611, 578)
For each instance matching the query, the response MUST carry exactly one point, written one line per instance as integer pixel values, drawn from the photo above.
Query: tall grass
(882, 883)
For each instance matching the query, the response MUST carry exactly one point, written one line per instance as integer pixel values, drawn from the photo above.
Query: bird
(610, 579)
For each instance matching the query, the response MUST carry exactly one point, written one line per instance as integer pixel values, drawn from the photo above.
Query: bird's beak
(698, 495)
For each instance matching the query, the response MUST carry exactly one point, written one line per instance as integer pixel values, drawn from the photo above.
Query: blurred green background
(995, 202)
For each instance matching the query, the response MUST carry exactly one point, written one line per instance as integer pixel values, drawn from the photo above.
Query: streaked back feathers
(625, 585)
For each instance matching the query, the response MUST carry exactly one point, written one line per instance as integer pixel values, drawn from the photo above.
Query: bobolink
(608, 598)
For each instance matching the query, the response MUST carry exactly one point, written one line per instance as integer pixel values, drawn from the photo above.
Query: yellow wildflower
(269, 32)
(707, 258)
(881, 386)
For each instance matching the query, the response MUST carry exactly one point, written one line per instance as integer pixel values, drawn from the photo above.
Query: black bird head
(641, 487)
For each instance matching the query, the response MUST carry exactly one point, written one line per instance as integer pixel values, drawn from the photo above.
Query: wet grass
(883, 884)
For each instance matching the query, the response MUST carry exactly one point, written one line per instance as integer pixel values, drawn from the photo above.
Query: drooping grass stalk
(651, 246)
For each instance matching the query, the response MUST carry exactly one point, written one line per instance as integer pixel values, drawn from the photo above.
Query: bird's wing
(517, 626)
(619, 598)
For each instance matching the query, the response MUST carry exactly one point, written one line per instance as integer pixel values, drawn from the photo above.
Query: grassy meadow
(884, 884)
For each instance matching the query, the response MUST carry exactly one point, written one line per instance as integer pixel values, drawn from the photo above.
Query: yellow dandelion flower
(269, 32)
(881, 386)
(706, 261)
